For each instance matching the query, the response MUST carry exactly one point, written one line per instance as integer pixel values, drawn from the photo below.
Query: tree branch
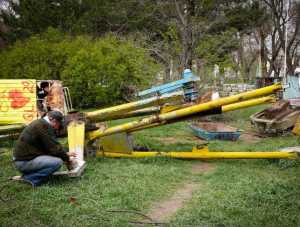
(181, 17)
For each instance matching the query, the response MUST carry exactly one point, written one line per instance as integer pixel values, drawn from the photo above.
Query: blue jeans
(38, 170)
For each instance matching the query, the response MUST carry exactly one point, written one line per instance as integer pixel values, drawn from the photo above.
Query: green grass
(237, 193)
(245, 193)
(106, 185)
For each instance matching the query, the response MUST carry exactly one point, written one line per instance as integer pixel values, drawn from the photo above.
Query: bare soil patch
(162, 211)
(215, 126)
(250, 138)
(202, 167)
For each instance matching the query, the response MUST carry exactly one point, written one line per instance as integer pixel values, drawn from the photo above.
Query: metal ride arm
(202, 153)
(226, 108)
(165, 93)
(223, 105)
(169, 108)
(170, 115)
(184, 112)
(6, 131)
(108, 113)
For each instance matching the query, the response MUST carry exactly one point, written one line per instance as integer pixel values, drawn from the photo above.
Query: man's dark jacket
(38, 138)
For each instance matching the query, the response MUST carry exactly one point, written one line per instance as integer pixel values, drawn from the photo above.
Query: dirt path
(162, 211)
(202, 167)
(250, 137)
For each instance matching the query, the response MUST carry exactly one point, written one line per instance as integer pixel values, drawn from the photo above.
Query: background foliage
(103, 71)
(244, 39)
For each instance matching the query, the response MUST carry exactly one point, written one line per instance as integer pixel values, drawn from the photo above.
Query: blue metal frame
(188, 77)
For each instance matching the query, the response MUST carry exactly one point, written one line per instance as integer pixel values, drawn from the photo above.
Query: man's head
(45, 86)
(56, 119)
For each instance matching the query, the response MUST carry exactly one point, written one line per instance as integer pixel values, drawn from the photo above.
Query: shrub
(98, 72)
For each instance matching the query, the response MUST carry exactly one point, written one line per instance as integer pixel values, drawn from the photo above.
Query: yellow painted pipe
(235, 155)
(184, 112)
(4, 129)
(157, 124)
(135, 113)
(145, 111)
(248, 103)
(231, 107)
(203, 155)
(104, 114)
(9, 120)
(220, 102)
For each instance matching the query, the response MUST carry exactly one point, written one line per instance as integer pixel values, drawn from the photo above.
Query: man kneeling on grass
(37, 153)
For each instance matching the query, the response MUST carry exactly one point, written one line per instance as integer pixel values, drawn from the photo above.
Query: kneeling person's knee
(50, 161)
(56, 162)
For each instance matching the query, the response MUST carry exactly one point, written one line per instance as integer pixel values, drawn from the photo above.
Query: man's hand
(71, 154)
(69, 165)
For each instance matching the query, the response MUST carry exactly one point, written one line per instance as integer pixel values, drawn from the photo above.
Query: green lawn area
(236, 193)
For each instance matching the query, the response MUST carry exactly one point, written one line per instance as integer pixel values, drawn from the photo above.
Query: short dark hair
(56, 115)
(44, 84)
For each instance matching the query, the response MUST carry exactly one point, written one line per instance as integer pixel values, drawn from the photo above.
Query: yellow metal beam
(202, 153)
(76, 138)
(135, 113)
(107, 113)
(76, 145)
(4, 129)
(76, 131)
(245, 104)
(231, 107)
(184, 112)
(220, 102)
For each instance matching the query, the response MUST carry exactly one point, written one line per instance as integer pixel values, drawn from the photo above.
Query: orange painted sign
(17, 101)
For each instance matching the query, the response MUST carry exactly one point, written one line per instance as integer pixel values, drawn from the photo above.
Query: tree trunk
(187, 48)
(263, 57)
(186, 29)
(188, 36)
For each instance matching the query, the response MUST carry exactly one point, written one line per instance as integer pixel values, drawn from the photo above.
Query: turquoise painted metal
(188, 77)
(292, 87)
(215, 135)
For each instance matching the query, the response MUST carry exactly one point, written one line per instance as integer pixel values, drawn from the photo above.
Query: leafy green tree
(216, 49)
(37, 57)
(28, 17)
(98, 72)
(119, 17)
(173, 31)
(106, 71)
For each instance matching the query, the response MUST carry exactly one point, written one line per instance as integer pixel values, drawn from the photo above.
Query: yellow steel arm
(107, 113)
(184, 112)
(6, 129)
(203, 153)
(231, 107)
(248, 103)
